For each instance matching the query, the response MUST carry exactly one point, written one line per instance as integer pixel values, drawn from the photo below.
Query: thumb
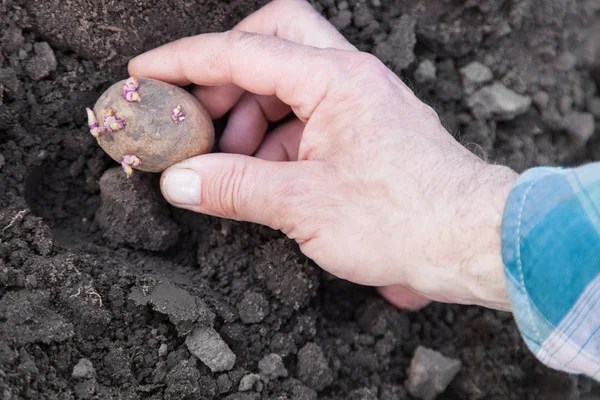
(233, 186)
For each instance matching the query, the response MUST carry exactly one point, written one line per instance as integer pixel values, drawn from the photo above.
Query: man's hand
(364, 178)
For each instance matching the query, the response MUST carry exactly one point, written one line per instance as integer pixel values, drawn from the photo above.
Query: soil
(97, 300)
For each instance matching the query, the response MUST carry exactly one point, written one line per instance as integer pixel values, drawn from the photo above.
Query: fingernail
(182, 187)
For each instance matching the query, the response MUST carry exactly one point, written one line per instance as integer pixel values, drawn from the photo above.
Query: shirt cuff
(551, 253)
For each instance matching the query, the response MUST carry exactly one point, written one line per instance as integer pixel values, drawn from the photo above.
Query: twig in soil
(88, 291)
(20, 214)
(111, 28)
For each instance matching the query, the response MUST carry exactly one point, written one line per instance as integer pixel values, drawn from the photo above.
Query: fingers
(218, 100)
(235, 187)
(296, 21)
(293, 20)
(265, 65)
(403, 298)
(283, 143)
(249, 121)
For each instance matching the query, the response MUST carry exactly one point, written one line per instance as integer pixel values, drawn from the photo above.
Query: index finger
(296, 21)
(293, 20)
(266, 65)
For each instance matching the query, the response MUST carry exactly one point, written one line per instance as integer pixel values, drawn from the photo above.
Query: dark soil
(97, 299)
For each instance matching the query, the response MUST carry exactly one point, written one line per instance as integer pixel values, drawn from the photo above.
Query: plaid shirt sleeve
(551, 252)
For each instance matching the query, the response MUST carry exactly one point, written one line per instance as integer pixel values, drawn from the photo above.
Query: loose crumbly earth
(126, 302)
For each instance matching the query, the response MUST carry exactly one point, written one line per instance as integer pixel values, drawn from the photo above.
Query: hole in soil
(65, 193)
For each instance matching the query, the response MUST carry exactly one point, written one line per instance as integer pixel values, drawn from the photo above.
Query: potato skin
(150, 132)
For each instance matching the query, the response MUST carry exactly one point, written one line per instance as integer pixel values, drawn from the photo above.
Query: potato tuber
(149, 125)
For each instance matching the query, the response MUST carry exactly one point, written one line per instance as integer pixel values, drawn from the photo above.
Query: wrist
(482, 265)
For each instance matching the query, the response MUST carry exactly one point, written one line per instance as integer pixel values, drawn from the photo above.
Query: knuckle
(367, 64)
(230, 197)
(233, 37)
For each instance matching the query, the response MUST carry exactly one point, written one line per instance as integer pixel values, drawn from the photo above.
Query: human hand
(364, 178)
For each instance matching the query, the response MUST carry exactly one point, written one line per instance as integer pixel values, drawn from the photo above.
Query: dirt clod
(86, 389)
(184, 310)
(132, 212)
(224, 384)
(313, 368)
(397, 49)
(43, 63)
(26, 317)
(13, 39)
(206, 344)
(84, 369)
(363, 394)
(183, 382)
(430, 373)
(117, 366)
(300, 392)
(253, 308)
(248, 382)
(342, 19)
(271, 367)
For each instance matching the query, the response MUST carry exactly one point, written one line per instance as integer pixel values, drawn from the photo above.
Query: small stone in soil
(206, 344)
(253, 308)
(84, 369)
(430, 373)
(398, 48)
(271, 367)
(313, 369)
(43, 63)
(426, 72)
(580, 126)
(498, 102)
(248, 382)
(162, 350)
(474, 75)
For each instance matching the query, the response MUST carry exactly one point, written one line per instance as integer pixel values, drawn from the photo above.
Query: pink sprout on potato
(130, 161)
(95, 128)
(111, 122)
(130, 87)
(177, 115)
